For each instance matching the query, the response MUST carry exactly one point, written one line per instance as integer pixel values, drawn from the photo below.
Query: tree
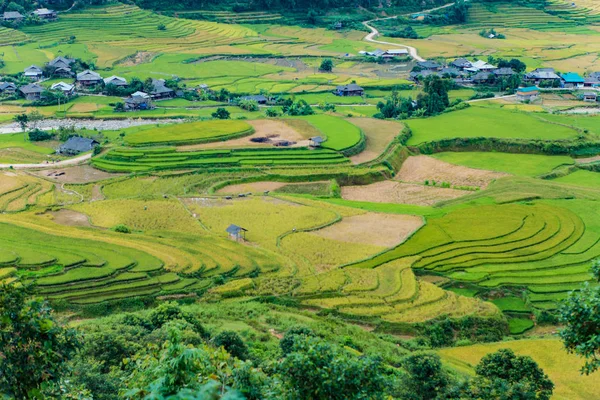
(22, 120)
(272, 112)
(426, 379)
(505, 376)
(37, 135)
(297, 332)
(248, 105)
(326, 65)
(317, 370)
(581, 315)
(221, 113)
(34, 347)
(233, 343)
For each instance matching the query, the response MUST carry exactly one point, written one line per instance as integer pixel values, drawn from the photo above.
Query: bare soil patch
(587, 160)
(76, 174)
(70, 218)
(401, 193)
(140, 57)
(379, 134)
(97, 193)
(254, 187)
(274, 130)
(373, 228)
(418, 169)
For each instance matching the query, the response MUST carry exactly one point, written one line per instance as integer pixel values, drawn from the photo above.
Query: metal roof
(235, 230)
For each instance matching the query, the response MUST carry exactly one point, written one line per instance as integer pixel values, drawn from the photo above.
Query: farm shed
(590, 97)
(528, 93)
(349, 90)
(316, 141)
(33, 72)
(89, 78)
(76, 145)
(32, 92)
(236, 232)
(572, 80)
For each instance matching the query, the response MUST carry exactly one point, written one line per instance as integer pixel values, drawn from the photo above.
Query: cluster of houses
(63, 67)
(14, 17)
(461, 70)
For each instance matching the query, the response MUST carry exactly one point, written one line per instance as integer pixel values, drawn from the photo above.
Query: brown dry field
(254, 187)
(77, 174)
(379, 134)
(140, 57)
(70, 218)
(372, 228)
(401, 193)
(281, 130)
(418, 169)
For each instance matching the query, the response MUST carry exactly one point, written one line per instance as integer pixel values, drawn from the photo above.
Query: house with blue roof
(528, 93)
(572, 80)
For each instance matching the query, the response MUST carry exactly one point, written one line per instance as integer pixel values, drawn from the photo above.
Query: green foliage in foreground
(581, 314)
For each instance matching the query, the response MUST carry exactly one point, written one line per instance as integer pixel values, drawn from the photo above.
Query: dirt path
(58, 164)
(414, 53)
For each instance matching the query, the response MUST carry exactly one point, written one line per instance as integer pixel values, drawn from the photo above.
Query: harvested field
(77, 174)
(140, 57)
(70, 218)
(275, 130)
(404, 193)
(373, 228)
(418, 169)
(379, 134)
(254, 187)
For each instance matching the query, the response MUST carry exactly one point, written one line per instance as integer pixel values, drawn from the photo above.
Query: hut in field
(316, 141)
(236, 232)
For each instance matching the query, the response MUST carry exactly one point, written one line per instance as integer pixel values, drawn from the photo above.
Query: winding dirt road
(414, 53)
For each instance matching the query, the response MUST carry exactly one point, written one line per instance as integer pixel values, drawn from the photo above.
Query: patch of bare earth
(76, 174)
(97, 193)
(273, 130)
(379, 134)
(140, 57)
(418, 169)
(70, 218)
(254, 187)
(587, 160)
(402, 193)
(373, 228)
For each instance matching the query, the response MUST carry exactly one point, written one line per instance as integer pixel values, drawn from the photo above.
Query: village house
(429, 66)
(480, 66)
(62, 67)
(396, 53)
(32, 92)
(481, 77)
(504, 72)
(590, 97)
(13, 17)
(115, 81)
(529, 93)
(451, 72)
(66, 88)
(89, 78)
(33, 72)
(461, 63)
(160, 90)
(76, 145)
(236, 232)
(7, 88)
(545, 76)
(592, 80)
(138, 101)
(44, 13)
(417, 76)
(572, 80)
(260, 99)
(349, 90)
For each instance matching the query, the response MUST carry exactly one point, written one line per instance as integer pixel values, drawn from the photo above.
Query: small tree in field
(326, 65)
(581, 315)
(34, 347)
(22, 120)
(221, 113)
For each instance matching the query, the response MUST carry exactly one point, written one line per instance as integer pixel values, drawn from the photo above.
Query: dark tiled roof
(13, 15)
(78, 144)
(352, 87)
(32, 88)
